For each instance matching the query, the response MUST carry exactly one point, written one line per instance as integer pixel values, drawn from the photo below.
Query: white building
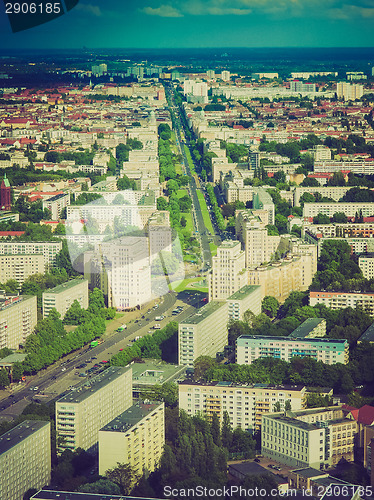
(247, 298)
(366, 264)
(349, 91)
(62, 297)
(342, 300)
(225, 76)
(18, 318)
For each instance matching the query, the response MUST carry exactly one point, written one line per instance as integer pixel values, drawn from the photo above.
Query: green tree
(287, 405)
(340, 217)
(102, 486)
(4, 379)
(124, 475)
(277, 407)
(226, 431)
(270, 306)
(75, 315)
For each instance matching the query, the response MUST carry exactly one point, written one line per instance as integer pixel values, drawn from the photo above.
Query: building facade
(329, 351)
(247, 298)
(49, 249)
(62, 297)
(82, 412)
(204, 333)
(18, 318)
(135, 437)
(19, 267)
(342, 300)
(25, 459)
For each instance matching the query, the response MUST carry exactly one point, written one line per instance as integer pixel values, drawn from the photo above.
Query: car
(257, 460)
(121, 349)
(104, 361)
(63, 369)
(278, 468)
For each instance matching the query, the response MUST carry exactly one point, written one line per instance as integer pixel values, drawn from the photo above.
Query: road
(198, 217)
(53, 381)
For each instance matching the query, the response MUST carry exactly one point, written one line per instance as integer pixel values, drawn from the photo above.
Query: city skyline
(197, 24)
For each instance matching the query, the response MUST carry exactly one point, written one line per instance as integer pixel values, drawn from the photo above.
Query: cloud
(162, 11)
(90, 9)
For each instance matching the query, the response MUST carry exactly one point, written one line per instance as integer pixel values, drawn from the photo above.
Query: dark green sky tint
(202, 23)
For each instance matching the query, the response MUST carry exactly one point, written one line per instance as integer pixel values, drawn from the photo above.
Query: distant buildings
(350, 209)
(297, 86)
(349, 91)
(86, 409)
(225, 76)
(62, 297)
(18, 318)
(135, 437)
(25, 459)
(5, 194)
(245, 404)
(329, 351)
(204, 333)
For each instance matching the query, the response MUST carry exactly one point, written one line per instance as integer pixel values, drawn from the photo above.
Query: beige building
(245, 404)
(366, 264)
(135, 437)
(228, 271)
(56, 204)
(204, 333)
(333, 192)
(62, 297)
(25, 459)
(49, 249)
(280, 278)
(350, 209)
(248, 298)
(19, 267)
(18, 318)
(342, 300)
(316, 437)
(81, 413)
(349, 91)
(320, 152)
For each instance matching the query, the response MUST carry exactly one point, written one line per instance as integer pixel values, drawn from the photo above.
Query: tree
(4, 379)
(310, 182)
(337, 179)
(321, 219)
(277, 407)
(124, 475)
(102, 486)
(340, 217)
(270, 306)
(125, 183)
(226, 432)
(287, 405)
(165, 263)
(75, 315)
(162, 203)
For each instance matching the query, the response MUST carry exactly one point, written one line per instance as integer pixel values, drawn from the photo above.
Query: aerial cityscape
(186, 266)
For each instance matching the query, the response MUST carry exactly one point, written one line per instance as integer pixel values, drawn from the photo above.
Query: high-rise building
(329, 351)
(49, 249)
(204, 333)
(18, 318)
(135, 437)
(349, 91)
(62, 297)
(225, 76)
(5, 194)
(25, 459)
(228, 271)
(20, 266)
(248, 298)
(56, 204)
(210, 74)
(297, 86)
(245, 404)
(81, 413)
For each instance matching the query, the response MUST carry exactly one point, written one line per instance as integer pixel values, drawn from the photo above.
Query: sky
(200, 23)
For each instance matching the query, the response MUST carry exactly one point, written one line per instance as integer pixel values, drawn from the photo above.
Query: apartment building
(350, 209)
(18, 318)
(248, 298)
(329, 351)
(366, 264)
(62, 297)
(280, 278)
(49, 249)
(263, 201)
(342, 300)
(56, 204)
(244, 403)
(25, 459)
(333, 192)
(204, 333)
(349, 91)
(135, 437)
(20, 266)
(358, 166)
(320, 152)
(318, 437)
(121, 269)
(228, 271)
(82, 412)
(310, 328)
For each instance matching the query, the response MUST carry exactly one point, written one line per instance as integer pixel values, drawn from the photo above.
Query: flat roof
(243, 386)
(243, 292)
(310, 472)
(85, 389)
(294, 422)
(288, 339)
(305, 328)
(202, 313)
(155, 372)
(131, 417)
(72, 495)
(20, 432)
(368, 334)
(65, 286)
(12, 358)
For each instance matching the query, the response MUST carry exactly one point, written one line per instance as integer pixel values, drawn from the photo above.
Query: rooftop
(66, 286)
(202, 313)
(155, 372)
(305, 328)
(233, 385)
(309, 472)
(17, 434)
(85, 390)
(12, 358)
(131, 417)
(244, 292)
(288, 339)
(368, 334)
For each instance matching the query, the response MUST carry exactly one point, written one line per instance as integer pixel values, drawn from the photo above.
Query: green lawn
(189, 159)
(188, 217)
(186, 285)
(213, 249)
(205, 212)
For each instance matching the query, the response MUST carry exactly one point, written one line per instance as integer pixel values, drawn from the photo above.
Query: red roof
(366, 415)
(11, 233)
(352, 410)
